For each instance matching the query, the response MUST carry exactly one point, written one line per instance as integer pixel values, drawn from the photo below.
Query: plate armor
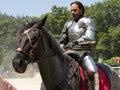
(83, 32)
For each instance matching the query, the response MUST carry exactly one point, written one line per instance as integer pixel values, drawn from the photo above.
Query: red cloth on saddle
(103, 80)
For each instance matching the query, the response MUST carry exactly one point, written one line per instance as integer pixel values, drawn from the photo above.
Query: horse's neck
(52, 67)
(46, 44)
(52, 70)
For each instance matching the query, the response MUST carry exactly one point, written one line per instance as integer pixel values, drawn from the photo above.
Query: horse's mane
(53, 43)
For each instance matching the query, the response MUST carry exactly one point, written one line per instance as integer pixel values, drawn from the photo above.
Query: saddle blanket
(104, 83)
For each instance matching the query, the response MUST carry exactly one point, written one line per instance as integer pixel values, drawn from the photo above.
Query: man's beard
(76, 18)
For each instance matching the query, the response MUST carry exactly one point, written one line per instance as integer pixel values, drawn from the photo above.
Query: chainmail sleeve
(64, 34)
(64, 37)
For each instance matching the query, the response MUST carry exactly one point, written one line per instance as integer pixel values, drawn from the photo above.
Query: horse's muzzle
(20, 62)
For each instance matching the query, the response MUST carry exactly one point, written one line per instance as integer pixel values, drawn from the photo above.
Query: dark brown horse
(36, 45)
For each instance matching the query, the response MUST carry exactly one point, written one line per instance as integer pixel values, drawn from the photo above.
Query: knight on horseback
(77, 37)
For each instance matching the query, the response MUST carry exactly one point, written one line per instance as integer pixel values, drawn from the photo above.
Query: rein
(38, 60)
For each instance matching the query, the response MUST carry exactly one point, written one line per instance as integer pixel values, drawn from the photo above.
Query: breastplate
(75, 32)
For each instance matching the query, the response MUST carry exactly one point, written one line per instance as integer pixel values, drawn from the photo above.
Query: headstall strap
(22, 51)
(26, 32)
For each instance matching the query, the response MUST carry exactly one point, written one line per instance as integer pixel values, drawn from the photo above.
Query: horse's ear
(25, 22)
(42, 22)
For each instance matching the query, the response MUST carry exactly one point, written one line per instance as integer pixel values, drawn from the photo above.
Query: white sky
(35, 7)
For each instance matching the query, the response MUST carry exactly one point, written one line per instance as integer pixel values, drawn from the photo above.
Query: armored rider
(77, 36)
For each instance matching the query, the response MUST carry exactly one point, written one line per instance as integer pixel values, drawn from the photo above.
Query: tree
(57, 19)
(106, 15)
(114, 34)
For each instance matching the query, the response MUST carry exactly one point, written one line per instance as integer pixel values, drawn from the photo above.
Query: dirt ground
(32, 83)
(28, 81)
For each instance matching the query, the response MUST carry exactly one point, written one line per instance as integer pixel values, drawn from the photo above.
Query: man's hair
(80, 5)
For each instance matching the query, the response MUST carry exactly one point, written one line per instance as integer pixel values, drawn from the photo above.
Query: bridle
(31, 54)
(26, 32)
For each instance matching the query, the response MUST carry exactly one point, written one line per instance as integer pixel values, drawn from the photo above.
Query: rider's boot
(96, 81)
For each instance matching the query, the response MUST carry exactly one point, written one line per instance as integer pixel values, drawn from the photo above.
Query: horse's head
(29, 37)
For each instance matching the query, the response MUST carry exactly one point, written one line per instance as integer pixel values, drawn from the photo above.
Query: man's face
(76, 12)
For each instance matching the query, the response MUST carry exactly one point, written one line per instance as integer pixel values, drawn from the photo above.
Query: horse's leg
(42, 86)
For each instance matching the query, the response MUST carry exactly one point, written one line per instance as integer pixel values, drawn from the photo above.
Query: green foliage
(57, 36)
(111, 62)
(57, 18)
(114, 34)
(106, 15)
(103, 43)
(9, 28)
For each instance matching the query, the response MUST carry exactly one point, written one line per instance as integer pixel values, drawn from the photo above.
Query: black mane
(53, 43)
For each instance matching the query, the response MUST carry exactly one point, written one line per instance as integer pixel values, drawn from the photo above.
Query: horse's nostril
(16, 64)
